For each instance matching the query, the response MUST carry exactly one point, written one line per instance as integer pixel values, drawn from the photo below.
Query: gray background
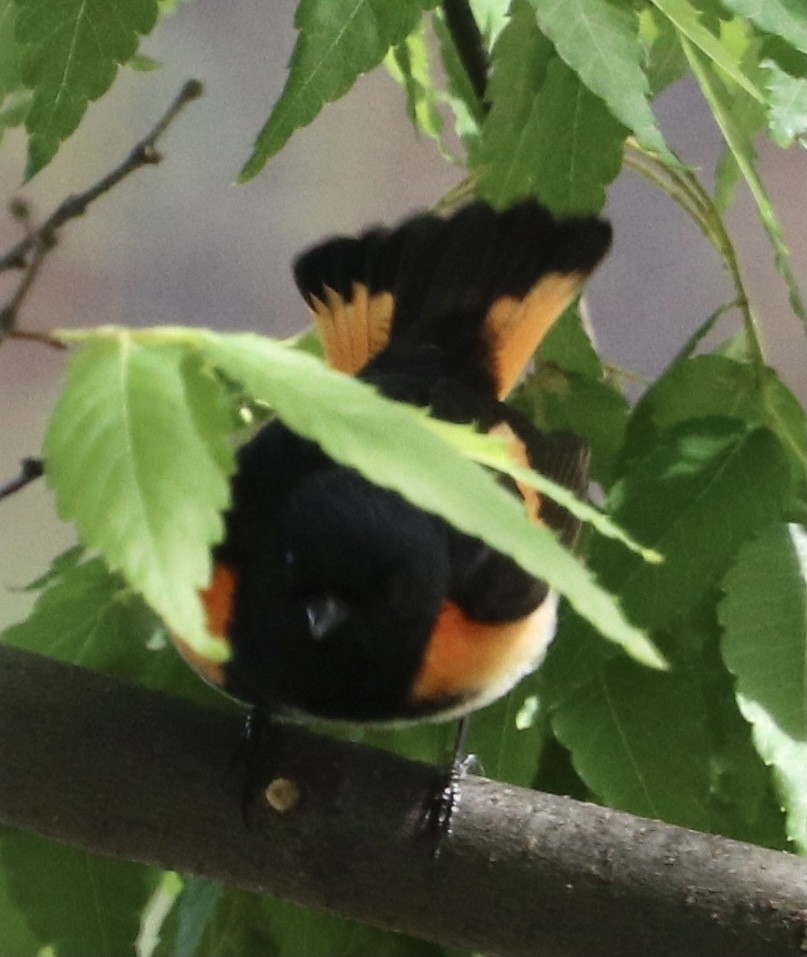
(179, 244)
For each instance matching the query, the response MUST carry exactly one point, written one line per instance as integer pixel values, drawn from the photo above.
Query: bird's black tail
(484, 281)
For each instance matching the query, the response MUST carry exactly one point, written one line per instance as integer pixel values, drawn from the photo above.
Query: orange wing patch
(217, 599)
(515, 327)
(478, 660)
(353, 331)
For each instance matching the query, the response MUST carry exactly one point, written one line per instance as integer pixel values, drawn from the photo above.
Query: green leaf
(599, 40)
(154, 915)
(568, 392)
(707, 486)
(408, 64)
(665, 62)
(187, 921)
(15, 101)
(307, 341)
(785, 18)
(636, 736)
(136, 452)
(556, 773)
(338, 41)
(787, 104)
(492, 17)
(716, 385)
(508, 736)
(14, 110)
(430, 743)
(237, 922)
(546, 134)
(85, 615)
(787, 57)
(492, 451)
(740, 801)
(748, 114)
(61, 565)
(88, 616)
(16, 936)
(72, 52)
(344, 416)
(519, 64)
(297, 930)
(169, 7)
(686, 19)
(209, 919)
(11, 52)
(715, 93)
(557, 400)
(74, 902)
(763, 614)
(567, 346)
(143, 63)
(672, 746)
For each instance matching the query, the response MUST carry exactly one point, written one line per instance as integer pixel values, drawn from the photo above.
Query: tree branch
(133, 773)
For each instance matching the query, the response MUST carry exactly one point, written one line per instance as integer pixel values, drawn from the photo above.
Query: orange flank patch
(481, 660)
(217, 599)
(517, 452)
(353, 331)
(515, 327)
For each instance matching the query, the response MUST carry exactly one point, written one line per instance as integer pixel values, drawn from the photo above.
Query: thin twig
(726, 248)
(42, 243)
(686, 189)
(31, 335)
(30, 469)
(143, 154)
(470, 44)
(660, 176)
(30, 252)
(617, 373)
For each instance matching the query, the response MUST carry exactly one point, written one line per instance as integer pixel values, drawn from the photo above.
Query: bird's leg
(444, 801)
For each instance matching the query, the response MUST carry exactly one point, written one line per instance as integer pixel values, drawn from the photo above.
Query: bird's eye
(324, 613)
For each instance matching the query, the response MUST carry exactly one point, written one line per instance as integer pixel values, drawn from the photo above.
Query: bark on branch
(133, 773)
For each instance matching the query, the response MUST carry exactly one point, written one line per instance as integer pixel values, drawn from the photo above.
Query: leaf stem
(458, 195)
(724, 245)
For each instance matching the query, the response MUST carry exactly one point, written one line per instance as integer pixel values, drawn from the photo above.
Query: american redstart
(340, 599)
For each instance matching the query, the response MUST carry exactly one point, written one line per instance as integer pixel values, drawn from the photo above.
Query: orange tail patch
(517, 452)
(516, 327)
(353, 330)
